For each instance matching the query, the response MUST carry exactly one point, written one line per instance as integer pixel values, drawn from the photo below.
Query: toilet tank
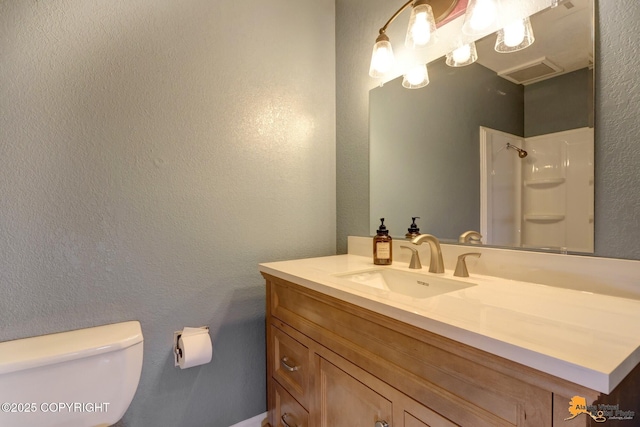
(81, 378)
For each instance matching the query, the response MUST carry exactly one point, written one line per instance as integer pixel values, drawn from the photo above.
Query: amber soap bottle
(382, 249)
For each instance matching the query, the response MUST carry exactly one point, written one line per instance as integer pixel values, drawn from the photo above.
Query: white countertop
(590, 339)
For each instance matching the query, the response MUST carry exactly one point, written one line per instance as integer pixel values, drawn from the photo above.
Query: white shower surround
(544, 200)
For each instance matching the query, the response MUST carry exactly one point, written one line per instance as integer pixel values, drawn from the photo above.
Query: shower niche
(537, 192)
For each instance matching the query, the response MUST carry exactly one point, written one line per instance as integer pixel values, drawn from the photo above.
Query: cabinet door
(287, 412)
(346, 402)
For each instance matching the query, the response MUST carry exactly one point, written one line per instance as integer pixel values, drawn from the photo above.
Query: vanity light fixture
(515, 36)
(420, 32)
(481, 17)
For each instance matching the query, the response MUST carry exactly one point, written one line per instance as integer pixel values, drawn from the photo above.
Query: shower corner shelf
(547, 182)
(544, 218)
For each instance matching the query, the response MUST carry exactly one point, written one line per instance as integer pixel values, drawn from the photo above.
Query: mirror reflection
(453, 152)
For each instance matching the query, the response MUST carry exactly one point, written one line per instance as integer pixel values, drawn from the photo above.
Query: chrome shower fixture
(521, 153)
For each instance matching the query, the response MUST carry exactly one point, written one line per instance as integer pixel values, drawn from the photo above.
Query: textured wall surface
(152, 152)
(617, 118)
(617, 121)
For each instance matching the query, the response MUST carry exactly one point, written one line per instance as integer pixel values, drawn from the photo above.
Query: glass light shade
(515, 36)
(480, 16)
(381, 57)
(464, 55)
(416, 77)
(422, 26)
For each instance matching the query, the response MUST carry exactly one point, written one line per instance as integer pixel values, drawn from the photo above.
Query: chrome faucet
(436, 265)
(470, 237)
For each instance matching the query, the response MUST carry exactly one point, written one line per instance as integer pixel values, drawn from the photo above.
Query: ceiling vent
(531, 72)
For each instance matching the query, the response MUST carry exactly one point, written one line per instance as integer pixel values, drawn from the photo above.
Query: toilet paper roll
(196, 347)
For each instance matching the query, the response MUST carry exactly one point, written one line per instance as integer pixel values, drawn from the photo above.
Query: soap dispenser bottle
(413, 230)
(382, 249)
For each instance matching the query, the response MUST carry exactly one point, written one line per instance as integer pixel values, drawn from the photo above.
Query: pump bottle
(413, 231)
(382, 248)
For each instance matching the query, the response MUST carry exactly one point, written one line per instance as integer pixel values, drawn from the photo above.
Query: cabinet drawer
(287, 412)
(290, 365)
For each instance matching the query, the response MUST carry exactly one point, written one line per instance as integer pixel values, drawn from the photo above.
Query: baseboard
(252, 422)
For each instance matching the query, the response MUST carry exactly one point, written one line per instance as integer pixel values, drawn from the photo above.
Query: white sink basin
(413, 285)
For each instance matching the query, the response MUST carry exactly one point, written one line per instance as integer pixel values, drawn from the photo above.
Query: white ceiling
(563, 35)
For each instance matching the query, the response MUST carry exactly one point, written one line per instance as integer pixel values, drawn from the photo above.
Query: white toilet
(82, 378)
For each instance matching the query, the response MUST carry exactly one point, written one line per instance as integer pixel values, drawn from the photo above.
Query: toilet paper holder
(177, 351)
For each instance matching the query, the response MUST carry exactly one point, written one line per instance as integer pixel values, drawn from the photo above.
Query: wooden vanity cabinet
(334, 364)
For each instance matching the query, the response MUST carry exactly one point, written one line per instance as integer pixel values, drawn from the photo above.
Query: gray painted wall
(561, 103)
(415, 139)
(152, 153)
(617, 121)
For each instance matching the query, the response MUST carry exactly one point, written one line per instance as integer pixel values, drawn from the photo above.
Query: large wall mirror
(453, 152)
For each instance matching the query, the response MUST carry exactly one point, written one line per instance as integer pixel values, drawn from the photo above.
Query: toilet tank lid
(32, 352)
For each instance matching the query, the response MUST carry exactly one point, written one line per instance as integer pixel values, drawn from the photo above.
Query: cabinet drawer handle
(284, 362)
(381, 424)
(284, 421)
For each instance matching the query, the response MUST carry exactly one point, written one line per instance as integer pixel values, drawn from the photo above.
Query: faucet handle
(470, 236)
(461, 266)
(415, 258)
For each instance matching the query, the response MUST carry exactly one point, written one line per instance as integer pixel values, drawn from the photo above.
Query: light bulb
(416, 77)
(462, 54)
(422, 26)
(514, 37)
(514, 33)
(381, 58)
(483, 15)
(421, 31)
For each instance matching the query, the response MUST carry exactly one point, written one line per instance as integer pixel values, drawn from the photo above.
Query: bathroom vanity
(341, 355)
